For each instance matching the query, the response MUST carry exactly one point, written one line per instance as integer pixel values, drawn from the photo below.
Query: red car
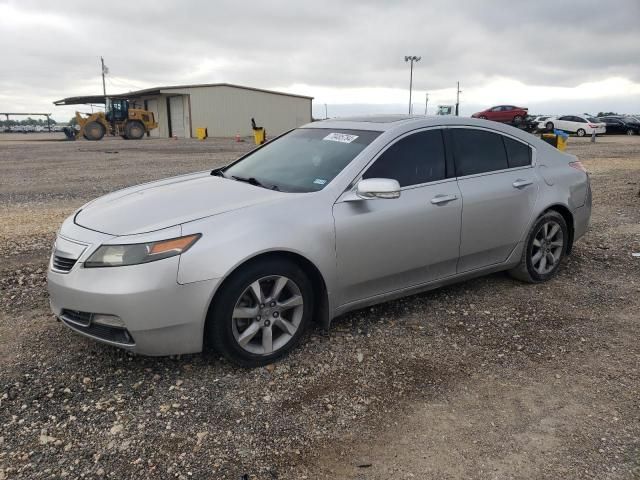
(503, 113)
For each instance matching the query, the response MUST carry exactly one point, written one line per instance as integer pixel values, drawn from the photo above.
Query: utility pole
(325, 112)
(426, 102)
(458, 92)
(411, 59)
(104, 70)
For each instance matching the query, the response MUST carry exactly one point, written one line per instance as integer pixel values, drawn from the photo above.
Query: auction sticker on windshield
(340, 137)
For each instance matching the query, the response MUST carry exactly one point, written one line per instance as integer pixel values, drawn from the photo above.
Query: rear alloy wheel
(134, 130)
(94, 131)
(549, 125)
(631, 131)
(261, 313)
(545, 248)
(581, 132)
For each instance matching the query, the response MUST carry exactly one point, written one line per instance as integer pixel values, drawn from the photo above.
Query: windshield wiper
(249, 180)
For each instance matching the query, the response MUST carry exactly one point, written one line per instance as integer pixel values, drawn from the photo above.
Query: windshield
(303, 160)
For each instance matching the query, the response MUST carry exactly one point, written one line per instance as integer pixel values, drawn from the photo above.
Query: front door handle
(439, 199)
(521, 183)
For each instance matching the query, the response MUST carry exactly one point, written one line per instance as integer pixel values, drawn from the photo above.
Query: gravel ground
(490, 378)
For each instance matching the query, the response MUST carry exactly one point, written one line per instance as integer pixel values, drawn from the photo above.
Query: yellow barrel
(201, 133)
(259, 135)
(557, 140)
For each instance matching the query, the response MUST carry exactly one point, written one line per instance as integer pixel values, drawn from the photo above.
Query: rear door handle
(521, 183)
(439, 199)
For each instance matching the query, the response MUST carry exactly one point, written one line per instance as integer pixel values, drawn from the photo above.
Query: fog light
(107, 320)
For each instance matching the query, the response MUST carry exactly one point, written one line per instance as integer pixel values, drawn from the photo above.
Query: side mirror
(378, 188)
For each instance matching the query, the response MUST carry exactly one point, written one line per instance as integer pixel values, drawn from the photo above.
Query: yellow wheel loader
(118, 119)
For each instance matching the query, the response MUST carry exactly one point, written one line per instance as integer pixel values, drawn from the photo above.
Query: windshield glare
(303, 160)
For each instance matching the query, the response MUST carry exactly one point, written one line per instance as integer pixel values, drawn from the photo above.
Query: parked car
(580, 125)
(503, 113)
(330, 217)
(626, 125)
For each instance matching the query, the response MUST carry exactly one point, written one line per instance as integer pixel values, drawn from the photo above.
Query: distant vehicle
(618, 125)
(578, 124)
(446, 110)
(503, 113)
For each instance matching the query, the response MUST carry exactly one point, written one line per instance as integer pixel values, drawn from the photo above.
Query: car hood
(157, 205)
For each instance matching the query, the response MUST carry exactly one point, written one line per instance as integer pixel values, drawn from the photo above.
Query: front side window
(477, 151)
(303, 160)
(418, 158)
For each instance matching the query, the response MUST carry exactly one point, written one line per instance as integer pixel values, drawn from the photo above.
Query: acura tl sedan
(327, 218)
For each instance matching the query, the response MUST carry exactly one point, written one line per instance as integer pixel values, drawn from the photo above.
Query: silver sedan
(327, 218)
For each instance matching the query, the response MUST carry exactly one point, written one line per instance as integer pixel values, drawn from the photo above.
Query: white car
(578, 124)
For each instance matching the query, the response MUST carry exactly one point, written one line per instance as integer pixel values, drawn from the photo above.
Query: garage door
(152, 106)
(176, 106)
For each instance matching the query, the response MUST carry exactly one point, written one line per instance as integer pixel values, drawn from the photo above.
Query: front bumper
(161, 316)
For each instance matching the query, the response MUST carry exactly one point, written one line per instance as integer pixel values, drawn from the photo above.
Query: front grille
(63, 264)
(81, 321)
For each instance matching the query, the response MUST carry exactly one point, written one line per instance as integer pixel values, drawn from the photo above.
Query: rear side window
(519, 154)
(418, 158)
(477, 151)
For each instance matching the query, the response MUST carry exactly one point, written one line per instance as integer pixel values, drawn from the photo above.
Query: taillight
(578, 166)
(593, 126)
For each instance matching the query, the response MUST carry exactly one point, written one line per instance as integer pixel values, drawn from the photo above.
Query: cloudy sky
(552, 56)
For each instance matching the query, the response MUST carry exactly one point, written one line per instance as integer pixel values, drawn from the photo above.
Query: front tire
(94, 131)
(549, 125)
(546, 246)
(260, 313)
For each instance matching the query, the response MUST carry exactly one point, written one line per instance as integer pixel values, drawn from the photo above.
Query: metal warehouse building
(225, 110)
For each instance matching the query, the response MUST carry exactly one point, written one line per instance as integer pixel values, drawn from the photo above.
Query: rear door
(385, 245)
(499, 188)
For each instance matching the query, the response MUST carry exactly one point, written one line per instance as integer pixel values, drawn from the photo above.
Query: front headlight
(136, 253)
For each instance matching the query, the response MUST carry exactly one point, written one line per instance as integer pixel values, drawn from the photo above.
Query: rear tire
(94, 131)
(134, 130)
(237, 314)
(581, 132)
(545, 247)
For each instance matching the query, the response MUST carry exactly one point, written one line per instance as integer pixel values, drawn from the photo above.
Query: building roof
(99, 99)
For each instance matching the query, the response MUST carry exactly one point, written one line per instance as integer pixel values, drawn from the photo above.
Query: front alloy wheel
(260, 312)
(267, 315)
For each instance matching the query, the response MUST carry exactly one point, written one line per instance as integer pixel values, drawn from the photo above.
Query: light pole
(458, 92)
(426, 102)
(411, 59)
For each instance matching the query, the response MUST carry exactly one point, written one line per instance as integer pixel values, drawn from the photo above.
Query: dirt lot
(486, 379)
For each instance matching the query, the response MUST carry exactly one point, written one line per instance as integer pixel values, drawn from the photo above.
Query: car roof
(400, 124)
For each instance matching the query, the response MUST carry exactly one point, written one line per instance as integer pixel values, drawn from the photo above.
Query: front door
(499, 189)
(385, 245)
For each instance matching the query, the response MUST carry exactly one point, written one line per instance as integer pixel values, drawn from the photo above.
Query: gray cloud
(51, 51)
